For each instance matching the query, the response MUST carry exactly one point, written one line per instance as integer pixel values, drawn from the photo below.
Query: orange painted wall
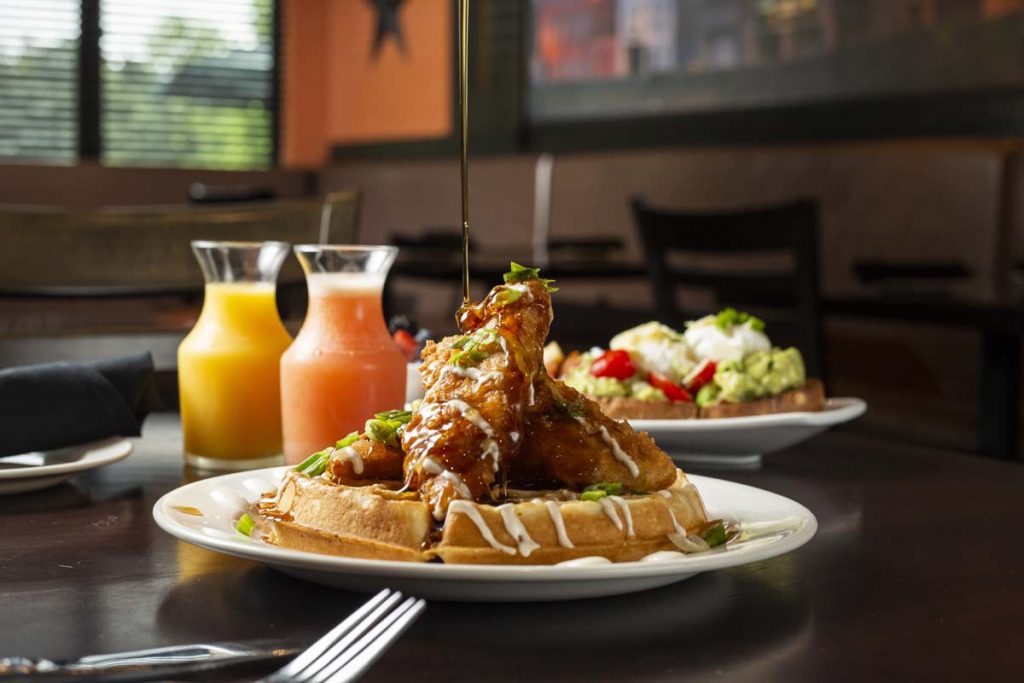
(335, 92)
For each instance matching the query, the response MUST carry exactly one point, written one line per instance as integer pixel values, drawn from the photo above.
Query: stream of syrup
(464, 138)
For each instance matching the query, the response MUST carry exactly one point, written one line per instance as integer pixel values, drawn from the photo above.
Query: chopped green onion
(593, 495)
(715, 535)
(729, 317)
(314, 465)
(245, 525)
(348, 440)
(520, 273)
(403, 416)
(308, 462)
(572, 408)
(507, 296)
(475, 347)
(610, 488)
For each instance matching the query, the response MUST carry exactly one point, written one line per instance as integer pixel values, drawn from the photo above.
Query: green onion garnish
(507, 296)
(715, 535)
(475, 347)
(347, 441)
(613, 488)
(728, 317)
(245, 525)
(314, 465)
(520, 273)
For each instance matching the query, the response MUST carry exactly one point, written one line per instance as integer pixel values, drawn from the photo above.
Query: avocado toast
(722, 366)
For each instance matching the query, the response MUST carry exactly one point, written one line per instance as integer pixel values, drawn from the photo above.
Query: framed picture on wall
(607, 60)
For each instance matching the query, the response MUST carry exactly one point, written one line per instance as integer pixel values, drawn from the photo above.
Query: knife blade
(151, 663)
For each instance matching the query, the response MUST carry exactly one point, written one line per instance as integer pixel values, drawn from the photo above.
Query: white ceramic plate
(776, 525)
(742, 440)
(33, 471)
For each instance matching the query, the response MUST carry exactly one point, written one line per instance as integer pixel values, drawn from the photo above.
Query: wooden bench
(77, 284)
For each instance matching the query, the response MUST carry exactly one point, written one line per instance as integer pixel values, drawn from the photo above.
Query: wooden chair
(786, 295)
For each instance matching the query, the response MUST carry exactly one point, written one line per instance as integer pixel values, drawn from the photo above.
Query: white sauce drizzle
(530, 396)
(458, 483)
(478, 376)
(473, 416)
(620, 455)
(592, 561)
(467, 508)
(431, 466)
(523, 289)
(610, 513)
(556, 518)
(349, 454)
(491, 451)
(624, 506)
(675, 523)
(514, 527)
(664, 556)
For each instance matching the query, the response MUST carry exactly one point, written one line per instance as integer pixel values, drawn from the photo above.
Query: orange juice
(228, 378)
(343, 366)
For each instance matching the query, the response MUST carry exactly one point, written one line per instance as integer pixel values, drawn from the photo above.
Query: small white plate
(38, 470)
(777, 525)
(741, 441)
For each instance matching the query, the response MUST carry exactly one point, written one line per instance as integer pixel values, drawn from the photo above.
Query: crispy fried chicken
(477, 385)
(569, 442)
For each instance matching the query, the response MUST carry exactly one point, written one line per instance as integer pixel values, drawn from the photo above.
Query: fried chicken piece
(568, 441)
(365, 460)
(470, 423)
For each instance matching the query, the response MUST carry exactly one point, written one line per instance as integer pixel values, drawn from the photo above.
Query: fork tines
(354, 644)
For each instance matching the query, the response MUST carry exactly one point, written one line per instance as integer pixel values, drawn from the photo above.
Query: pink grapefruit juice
(342, 367)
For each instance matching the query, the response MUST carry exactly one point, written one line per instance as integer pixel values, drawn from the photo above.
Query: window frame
(90, 89)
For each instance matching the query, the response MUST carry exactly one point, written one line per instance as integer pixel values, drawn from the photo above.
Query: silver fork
(354, 644)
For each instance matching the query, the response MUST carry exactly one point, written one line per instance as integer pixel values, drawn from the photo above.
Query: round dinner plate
(40, 469)
(203, 513)
(742, 440)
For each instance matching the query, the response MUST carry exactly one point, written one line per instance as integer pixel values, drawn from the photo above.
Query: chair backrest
(739, 236)
(148, 248)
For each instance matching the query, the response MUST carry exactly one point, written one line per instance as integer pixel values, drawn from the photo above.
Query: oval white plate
(33, 471)
(742, 440)
(780, 524)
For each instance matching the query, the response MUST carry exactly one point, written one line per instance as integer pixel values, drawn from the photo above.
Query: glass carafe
(229, 364)
(343, 365)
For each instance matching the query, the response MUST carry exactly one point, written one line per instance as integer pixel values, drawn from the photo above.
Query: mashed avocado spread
(581, 380)
(756, 375)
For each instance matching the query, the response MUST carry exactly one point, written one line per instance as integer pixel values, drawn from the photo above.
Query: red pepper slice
(407, 343)
(672, 391)
(615, 363)
(700, 375)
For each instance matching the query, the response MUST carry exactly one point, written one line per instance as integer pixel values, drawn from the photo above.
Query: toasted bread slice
(622, 408)
(808, 398)
(538, 531)
(371, 522)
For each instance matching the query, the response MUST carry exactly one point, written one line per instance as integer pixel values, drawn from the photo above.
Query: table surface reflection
(917, 572)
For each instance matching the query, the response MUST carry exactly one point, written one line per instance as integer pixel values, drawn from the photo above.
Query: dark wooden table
(917, 572)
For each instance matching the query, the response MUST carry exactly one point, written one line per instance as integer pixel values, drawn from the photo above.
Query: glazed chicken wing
(569, 442)
(365, 460)
(470, 423)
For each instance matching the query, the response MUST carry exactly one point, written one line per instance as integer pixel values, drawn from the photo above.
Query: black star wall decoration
(387, 26)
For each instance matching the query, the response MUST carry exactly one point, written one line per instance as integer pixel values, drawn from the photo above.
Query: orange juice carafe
(229, 364)
(343, 365)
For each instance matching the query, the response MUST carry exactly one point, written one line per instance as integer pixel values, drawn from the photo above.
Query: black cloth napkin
(64, 404)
